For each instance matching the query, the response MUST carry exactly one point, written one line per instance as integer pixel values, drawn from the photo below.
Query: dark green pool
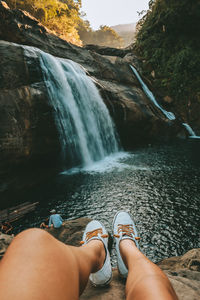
(158, 185)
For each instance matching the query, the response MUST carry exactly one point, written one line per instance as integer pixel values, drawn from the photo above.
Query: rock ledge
(183, 271)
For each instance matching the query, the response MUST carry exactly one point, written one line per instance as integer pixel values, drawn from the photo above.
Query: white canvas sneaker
(123, 228)
(96, 231)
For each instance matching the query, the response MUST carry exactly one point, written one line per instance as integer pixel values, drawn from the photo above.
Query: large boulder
(71, 231)
(108, 51)
(27, 129)
(184, 274)
(28, 135)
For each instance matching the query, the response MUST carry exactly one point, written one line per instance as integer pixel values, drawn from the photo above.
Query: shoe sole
(103, 284)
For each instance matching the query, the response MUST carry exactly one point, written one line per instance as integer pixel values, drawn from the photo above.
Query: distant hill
(126, 31)
(124, 27)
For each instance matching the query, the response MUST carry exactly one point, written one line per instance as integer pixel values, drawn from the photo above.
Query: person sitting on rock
(6, 228)
(45, 224)
(50, 269)
(55, 219)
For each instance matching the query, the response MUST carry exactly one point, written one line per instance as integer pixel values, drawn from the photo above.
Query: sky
(112, 12)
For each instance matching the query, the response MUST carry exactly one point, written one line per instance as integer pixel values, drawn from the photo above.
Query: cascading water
(86, 130)
(149, 94)
(192, 134)
(168, 114)
(189, 129)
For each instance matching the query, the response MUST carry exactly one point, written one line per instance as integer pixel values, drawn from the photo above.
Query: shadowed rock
(5, 241)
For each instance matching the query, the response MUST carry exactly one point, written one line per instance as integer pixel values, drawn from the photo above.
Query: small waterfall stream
(189, 129)
(150, 95)
(169, 115)
(192, 134)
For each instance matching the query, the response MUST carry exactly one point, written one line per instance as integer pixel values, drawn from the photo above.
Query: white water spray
(150, 95)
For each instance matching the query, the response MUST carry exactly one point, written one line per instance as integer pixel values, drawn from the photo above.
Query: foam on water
(108, 164)
(114, 162)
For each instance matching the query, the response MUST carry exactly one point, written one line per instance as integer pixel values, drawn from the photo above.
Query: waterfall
(85, 127)
(189, 130)
(192, 134)
(150, 95)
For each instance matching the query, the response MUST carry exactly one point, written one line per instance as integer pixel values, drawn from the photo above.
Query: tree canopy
(168, 41)
(64, 17)
(104, 36)
(59, 16)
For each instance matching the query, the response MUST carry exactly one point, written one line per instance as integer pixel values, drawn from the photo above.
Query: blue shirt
(56, 220)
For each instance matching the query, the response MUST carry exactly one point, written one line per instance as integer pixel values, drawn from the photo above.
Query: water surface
(158, 185)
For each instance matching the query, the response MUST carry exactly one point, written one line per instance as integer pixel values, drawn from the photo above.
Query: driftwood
(16, 212)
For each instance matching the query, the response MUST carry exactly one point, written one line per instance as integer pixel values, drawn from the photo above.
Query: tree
(168, 40)
(60, 16)
(104, 36)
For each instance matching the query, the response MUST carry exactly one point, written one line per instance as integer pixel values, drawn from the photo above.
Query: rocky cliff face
(27, 129)
(27, 133)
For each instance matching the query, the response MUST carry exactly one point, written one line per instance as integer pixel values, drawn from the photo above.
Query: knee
(36, 233)
(33, 237)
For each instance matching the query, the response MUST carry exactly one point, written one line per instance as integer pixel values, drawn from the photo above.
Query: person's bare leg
(37, 266)
(145, 280)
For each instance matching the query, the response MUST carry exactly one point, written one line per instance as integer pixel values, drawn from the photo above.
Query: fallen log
(16, 212)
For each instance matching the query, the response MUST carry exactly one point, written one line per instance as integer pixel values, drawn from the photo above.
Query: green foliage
(64, 18)
(104, 36)
(61, 16)
(169, 42)
(85, 31)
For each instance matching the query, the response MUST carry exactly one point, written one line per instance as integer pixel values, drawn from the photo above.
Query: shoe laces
(126, 229)
(94, 233)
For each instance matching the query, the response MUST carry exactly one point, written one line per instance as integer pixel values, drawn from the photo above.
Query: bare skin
(36, 266)
(145, 280)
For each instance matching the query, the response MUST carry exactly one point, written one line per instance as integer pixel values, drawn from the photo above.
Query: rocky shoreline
(182, 271)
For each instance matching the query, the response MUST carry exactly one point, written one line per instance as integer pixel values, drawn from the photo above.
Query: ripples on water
(159, 186)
